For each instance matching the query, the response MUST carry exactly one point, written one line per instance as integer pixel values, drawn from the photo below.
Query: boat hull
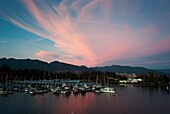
(107, 90)
(3, 92)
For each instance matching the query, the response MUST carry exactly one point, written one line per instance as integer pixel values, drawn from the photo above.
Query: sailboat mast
(97, 79)
(104, 79)
(6, 81)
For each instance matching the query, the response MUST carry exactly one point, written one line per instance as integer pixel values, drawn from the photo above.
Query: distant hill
(37, 64)
(166, 71)
(129, 69)
(124, 69)
(59, 66)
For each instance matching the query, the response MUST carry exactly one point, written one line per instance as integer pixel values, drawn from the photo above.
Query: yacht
(34, 91)
(57, 90)
(108, 90)
(75, 89)
(2, 91)
(96, 88)
(66, 90)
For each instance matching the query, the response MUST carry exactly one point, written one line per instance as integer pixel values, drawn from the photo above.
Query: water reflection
(107, 94)
(165, 90)
(154, 90)
(74, 103)
(129, 100)
(41, 103)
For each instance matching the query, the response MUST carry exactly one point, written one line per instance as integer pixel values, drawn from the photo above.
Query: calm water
(129, 100)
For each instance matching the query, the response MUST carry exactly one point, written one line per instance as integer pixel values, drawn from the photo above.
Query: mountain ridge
(61, 66)
(41, 65)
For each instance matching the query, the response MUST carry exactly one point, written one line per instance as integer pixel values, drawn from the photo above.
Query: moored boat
(87, 87)
(3, 92)
(75, 89)
(66, 90)
(83, 91)
(96, 88)
(36, 91)
(108, 90)
(57, 90)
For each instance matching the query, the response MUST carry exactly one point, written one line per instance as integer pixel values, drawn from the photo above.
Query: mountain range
(60, 66)
(37, 64)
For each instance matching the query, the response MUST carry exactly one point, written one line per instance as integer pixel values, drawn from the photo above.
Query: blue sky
(87, 32)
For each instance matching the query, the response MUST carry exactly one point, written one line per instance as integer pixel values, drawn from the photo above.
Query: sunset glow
(91, 32)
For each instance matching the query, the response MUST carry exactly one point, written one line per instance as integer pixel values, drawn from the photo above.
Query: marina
(56, 87)
(129, 99)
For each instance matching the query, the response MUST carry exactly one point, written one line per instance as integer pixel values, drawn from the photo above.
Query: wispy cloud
(87, 32)
(45, 55)
(40, 39)
(34, 40)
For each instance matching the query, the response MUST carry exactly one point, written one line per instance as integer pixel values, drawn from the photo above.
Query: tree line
(6, 73)
(36, 74)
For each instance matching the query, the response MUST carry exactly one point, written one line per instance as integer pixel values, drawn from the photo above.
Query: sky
(87, 32)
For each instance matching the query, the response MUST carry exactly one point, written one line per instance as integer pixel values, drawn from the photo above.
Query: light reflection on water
(128, 100)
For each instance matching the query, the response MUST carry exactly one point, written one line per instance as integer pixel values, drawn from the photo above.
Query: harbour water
(129, 99)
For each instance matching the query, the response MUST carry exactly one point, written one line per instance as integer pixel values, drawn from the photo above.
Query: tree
(150, 77)
(164, 80)
(5, 71)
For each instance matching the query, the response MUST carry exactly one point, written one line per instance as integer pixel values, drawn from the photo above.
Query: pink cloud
(46, 56)
(86, 38)
(104, 7)
(62, 29)
(161, 46)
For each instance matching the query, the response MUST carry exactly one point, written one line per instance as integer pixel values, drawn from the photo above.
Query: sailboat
(5, 91)
(2, 91)
(107, 89)
(96, 88)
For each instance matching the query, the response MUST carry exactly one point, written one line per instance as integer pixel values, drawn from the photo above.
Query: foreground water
(128, 100)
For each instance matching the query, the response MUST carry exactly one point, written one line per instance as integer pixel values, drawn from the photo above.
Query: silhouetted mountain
(123, 69)
(128, 69)
(68, 67)
(37, 64)
(59, 66)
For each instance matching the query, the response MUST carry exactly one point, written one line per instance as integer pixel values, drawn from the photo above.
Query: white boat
(26, 90)
(66, 90)
(57, 90)
(3, 92)
(35, 91)
(108, 90)
(96, 88)
(87, 87)
(75, 89)
(97, 91)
